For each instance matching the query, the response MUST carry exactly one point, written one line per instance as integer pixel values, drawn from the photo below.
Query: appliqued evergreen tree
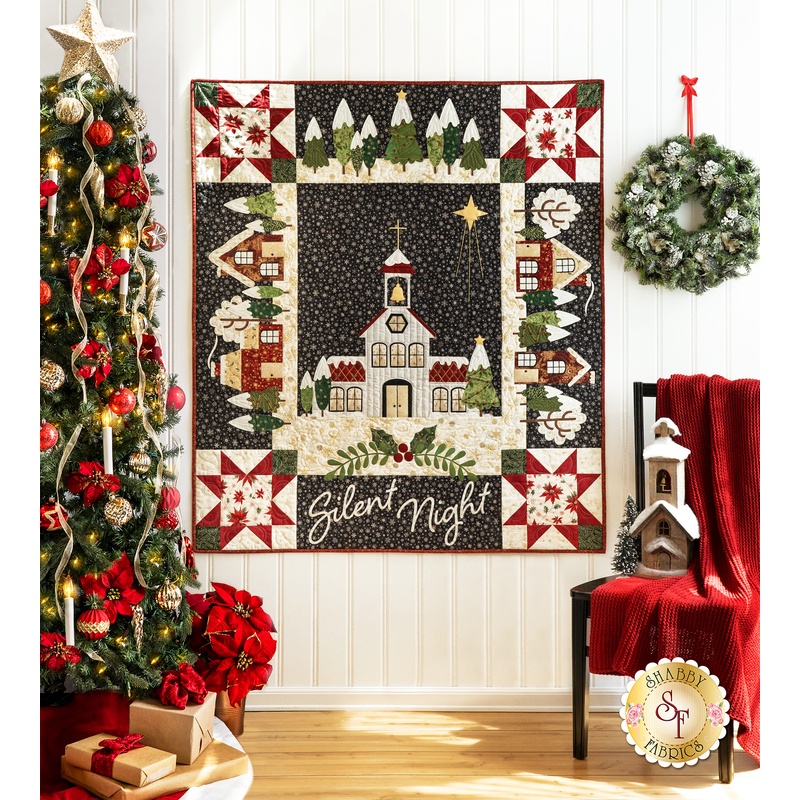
(479, 392)
(473, 154)
(403, 147)
(315, 148)
(322, 385)
(357, 152)
(369, 138)
(628, 549)
(435, 139)
(343, 133)
(451, 134)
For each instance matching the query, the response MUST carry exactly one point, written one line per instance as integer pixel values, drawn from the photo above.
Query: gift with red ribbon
(180, 686)
(123, 758)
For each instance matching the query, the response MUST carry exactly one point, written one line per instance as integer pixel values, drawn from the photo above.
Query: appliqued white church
(397, 377)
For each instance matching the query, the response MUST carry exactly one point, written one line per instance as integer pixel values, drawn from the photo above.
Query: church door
(396, 399)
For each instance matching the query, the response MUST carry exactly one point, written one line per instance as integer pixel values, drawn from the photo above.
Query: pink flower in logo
(634, 714)
(715, 714)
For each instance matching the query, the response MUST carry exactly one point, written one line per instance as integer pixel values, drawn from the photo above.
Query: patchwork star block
(562, 494)
(554, 129)
(240, 498)
(243, 132)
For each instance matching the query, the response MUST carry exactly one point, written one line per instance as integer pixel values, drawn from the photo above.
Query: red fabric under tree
(711, 614)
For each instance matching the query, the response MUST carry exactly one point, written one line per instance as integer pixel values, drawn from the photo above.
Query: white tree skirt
(231, 788)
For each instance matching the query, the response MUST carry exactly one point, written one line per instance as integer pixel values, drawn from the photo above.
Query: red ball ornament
(176, 399)
(48, 436)
(149, 152)
(93, 623)
(169, 519)
(100, 133)
(122, 401)
(170, 498)
(48, 517)
(45, 292)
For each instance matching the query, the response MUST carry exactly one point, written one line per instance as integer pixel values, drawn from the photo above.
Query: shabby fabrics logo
(674, 713)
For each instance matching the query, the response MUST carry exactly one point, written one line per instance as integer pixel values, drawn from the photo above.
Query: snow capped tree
(369, 138)
(479, 392)
(343, 133)
(322, 385)
(357, 152)
(315, 148)
(452, 133)
(628, 550)
(473, 155)
(403, 148)
(307, 393)
(435, 139)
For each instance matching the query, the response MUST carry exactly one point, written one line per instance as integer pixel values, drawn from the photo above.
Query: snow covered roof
(397, 262)
(453, 370)
(347, 370)
(684, 516)
(434, 126)
(449, 116)
(665, 448)
(471, 132)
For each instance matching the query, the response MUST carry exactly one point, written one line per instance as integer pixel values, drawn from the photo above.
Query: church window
(397, 323)
(268, 269)
(397, 355)
(565, 265)
(440, 400)
(663, 482)
(337, 399)
(416, 355)
(354, 399)
(270, 336)
(556, 367)
(663, 528)
(243, 257)
(457, 399)
(379, 354)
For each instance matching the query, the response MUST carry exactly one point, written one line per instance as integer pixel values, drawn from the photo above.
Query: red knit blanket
(711, 614)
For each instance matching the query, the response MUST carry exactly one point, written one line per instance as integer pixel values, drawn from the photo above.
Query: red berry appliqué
(402, 448)
(398, 457)
(409, 456)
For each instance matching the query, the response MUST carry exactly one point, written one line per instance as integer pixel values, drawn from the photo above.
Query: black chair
(582, 611)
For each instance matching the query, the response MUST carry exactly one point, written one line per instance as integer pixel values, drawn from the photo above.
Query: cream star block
(243, 93)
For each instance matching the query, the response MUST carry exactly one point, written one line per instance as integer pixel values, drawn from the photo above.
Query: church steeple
(394, 267)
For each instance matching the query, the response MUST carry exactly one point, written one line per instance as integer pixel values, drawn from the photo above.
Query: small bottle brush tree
(104, 474)
(628, 550)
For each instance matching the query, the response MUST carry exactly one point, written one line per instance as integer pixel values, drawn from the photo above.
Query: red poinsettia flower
(568, 152)
(115, 588)
(547, 118)
(150, 348)
(256, 135)
(92, 481)
(104, 270)
(232, 122)
(238, 496)
(54, 652)
(243, 663)
(572, 502)
(46, 189)
(231, 608)
(568, 114)
(551, 492)
(128, 187)
(546, 139)
(200, 608)
(95, 361)
(238, 516)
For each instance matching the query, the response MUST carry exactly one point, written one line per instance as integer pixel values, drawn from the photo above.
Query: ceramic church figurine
(668, 527)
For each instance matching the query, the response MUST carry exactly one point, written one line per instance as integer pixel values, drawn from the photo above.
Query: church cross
(398, 229)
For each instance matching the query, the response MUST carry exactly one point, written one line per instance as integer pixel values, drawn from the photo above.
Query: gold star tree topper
(89, 46)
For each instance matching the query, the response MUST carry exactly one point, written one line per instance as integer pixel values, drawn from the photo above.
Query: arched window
(397, 355)
(354, 399)
(440, 400)
(526, 275)
(663, 482)
(243, 257)
(526, 360)
(337, 399)
(556, 367)
(565, 265)
(379, 355)
(663, 528)
(416, 355)
(457, 399)
(270, 336)
(269, 269)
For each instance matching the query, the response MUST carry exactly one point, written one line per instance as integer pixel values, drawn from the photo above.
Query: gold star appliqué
(89, 46)
(470, 212)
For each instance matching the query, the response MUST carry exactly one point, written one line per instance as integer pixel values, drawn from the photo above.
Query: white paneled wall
(438, 630)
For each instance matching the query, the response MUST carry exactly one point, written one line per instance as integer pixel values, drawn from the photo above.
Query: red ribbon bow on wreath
(103, 760)
(689, 93)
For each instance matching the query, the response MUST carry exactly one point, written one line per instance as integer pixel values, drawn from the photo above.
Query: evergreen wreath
(727, 186)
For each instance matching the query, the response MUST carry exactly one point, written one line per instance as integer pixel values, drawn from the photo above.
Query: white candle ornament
(53, 162)
(108, 453)
(69, 611)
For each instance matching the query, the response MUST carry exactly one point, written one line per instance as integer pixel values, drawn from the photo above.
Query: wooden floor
(393, 755)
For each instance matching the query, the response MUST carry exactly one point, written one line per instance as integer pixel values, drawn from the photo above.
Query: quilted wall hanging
(398, 316)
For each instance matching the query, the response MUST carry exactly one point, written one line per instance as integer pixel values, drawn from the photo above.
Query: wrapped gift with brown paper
(123, 758)
(217, 762)
(186, 732)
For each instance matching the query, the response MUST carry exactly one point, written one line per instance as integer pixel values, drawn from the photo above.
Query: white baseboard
(332, 698)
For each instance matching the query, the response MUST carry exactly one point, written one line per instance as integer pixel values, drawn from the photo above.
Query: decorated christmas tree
(315, 148)
(628, 550)
(115, 562)
(403, 147)
(479, 392)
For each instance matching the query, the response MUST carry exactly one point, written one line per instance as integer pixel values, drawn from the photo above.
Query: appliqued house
(252, 256)
(549, 264)
(397, 377)
(668, 527)
(552, 367)
(258, 364)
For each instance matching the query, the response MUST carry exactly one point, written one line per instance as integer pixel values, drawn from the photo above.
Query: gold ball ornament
(139, 463)
(169, 596)
(140, 118)
(69, 110)
(51, 376)
(118, 511)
